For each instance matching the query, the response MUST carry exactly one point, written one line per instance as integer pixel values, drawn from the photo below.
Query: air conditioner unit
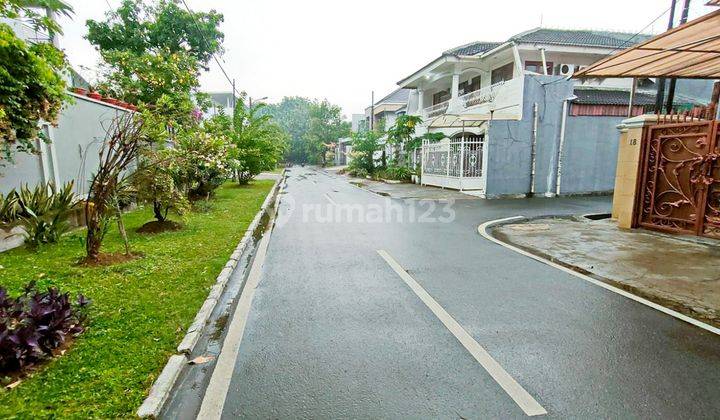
(566, 69)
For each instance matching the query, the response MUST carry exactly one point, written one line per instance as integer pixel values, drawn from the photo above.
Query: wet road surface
(334, 331)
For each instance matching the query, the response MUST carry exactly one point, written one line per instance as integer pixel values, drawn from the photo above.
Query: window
(503, 73)
(536, 67)
(470, 85)
(441, 96)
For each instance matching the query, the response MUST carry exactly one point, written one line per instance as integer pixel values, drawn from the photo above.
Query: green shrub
(358, 172)
(156, 183)
(42, 211)
(33, 89)
(398, 173)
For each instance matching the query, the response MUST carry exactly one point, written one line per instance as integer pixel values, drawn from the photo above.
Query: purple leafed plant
(35, 323)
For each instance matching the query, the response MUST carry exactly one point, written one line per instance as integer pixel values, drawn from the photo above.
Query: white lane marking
(330, 200)
(216, 392)
(521, 397)
(482, 230)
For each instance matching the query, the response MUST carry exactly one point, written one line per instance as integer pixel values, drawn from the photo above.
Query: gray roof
(599, 96)
(473, 48)
(399, 96)
(580, 38)
(595, 96)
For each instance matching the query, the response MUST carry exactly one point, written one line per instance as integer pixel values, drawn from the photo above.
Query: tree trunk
(157, 211)
(94, 232)
(121, 228)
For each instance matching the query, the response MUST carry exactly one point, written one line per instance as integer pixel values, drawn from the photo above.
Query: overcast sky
(342, 50)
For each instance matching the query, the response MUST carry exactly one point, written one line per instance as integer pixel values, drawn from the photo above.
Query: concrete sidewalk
(404, 190)
(678, 272)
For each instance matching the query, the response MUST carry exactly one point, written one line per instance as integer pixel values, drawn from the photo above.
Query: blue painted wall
(590, 152)
(509, 142)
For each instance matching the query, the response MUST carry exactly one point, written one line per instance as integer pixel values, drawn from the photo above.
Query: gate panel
(675, 171)
(711, 219)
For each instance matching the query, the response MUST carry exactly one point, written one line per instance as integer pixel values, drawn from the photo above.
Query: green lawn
(140, 309)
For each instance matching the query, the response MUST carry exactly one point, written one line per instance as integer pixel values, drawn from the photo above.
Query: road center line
(330, 200)
(216, 392)
(521, 397)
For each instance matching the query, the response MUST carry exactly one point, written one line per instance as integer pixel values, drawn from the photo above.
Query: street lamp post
(250, 100)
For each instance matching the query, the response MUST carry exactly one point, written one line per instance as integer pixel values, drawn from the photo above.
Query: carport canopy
(691, 51)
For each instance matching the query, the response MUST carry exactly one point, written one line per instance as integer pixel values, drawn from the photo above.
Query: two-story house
(515, 120)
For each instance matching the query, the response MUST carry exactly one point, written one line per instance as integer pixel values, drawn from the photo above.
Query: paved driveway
(334, 330)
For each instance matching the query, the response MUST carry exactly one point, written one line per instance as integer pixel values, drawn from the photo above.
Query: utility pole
(372, 110)
(661, 80)
(233, 95)
(671, 89)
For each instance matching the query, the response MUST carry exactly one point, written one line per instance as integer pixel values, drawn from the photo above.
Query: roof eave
(405, 83)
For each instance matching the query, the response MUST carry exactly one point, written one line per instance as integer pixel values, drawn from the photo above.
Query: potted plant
(94, 95)
(80, 91)
(110, 100)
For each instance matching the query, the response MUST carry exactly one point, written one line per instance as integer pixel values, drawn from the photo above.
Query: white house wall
(73, 154)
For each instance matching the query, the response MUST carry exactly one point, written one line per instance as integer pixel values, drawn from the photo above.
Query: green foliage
(139, 29)
(416, 142)
(396, 172)
(402, 133)
(155, 183)
(202, 160)
(44, 230)
(42, 211)
(153, 55)
(9, 208)
(364, 146)
(292, 114)
(164, 80)
(357, 172)
(140, 310)
(31, 89)
(326, 126)
(14, 9)
(258, 143)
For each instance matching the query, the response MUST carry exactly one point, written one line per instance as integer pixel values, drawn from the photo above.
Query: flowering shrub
(155, 183)
(36, 323)
(203, 161)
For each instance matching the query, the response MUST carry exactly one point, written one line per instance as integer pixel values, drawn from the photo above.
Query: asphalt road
(333, 331)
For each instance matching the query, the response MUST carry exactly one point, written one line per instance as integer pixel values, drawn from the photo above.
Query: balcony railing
(481, 96)
(436, 110)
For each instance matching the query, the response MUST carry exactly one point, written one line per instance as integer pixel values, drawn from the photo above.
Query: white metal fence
(453, 163)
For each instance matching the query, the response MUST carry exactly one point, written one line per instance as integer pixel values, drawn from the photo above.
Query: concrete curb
(161, 388)
(483, 231)
(164, 384)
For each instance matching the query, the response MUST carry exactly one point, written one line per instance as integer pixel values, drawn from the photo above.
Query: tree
(203, 160)
(401, 133)
(156, 183)
(31, 85)
(123, 141)
(140, 29)
(258, 142)
(292, 114)
(153, 54)
(326, 126)
(364, 144)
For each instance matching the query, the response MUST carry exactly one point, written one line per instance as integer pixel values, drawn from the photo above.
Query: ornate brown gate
(680, 178)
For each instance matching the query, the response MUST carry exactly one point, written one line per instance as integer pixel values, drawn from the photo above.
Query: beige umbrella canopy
(689, 51)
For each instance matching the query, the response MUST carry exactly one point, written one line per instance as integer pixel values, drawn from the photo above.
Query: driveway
(443, 323)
